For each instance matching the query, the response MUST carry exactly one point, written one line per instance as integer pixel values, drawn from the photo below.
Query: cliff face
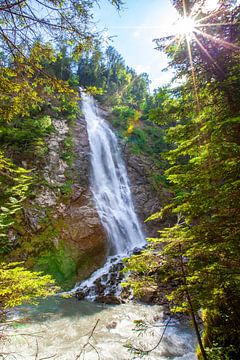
(59, 231)
(82, 226)
(147, 199)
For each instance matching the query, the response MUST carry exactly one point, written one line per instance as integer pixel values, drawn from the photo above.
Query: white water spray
(109, 183)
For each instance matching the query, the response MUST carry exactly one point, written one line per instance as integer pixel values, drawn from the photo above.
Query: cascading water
(112, 194)
(110, 184)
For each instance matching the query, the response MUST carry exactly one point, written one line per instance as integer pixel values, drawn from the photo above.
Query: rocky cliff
(59, 231)
(147, 199)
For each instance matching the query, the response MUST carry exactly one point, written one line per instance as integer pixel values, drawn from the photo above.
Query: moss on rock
(60, 264)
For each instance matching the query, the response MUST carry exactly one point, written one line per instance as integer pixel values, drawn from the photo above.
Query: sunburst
(189, 26)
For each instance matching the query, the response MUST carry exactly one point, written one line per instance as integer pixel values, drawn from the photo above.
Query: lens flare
(185, 26)
(193, 27)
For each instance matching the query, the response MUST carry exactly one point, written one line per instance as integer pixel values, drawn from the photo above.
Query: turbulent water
(109, 183)
(59, 328)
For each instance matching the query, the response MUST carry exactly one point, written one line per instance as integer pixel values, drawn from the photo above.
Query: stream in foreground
(59, 328)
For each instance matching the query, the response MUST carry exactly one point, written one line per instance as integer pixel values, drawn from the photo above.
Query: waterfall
(112, 194)
(110, 185)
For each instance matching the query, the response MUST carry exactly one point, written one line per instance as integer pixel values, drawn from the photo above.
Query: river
(59, 328)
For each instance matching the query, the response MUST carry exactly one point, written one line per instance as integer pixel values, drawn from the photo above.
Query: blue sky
(133, 30)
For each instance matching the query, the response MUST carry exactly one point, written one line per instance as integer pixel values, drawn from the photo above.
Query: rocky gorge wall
(59, 231)
(147, 199)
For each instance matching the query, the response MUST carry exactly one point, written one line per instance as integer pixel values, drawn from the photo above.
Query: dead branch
(37, 350)
(146, 352)
(88, 343)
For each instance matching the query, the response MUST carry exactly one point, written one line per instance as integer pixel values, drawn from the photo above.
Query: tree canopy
(25, 21)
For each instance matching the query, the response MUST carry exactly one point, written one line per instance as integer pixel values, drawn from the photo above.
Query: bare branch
(146, 352)
(89, 343)
(10, 6)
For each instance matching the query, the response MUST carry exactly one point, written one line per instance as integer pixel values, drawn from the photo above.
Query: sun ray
(179, 41)
(219, 41)
(193, 76)
(170, 43)
(191, 62)
(210, 15)
(188, 27)
(207, 53)
(217, 24)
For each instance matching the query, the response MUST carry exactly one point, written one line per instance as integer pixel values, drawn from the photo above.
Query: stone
(108, 299)
(111, 325)
(80, 295)
(147, 200)
(33, 216)
(46, 197)
(149, 294)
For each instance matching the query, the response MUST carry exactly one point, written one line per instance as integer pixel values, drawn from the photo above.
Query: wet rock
(111, 325)
(108, 299)
(137, 250)
(126, 294)
(105, 283)
(80, 295)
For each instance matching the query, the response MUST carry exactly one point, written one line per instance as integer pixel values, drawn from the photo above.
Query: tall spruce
(201, 252)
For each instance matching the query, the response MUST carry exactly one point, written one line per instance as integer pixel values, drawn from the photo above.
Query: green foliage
(18, 286)
(15, 182)
(142, 136)
(66, 189)
(26, 88)
(27, 135)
